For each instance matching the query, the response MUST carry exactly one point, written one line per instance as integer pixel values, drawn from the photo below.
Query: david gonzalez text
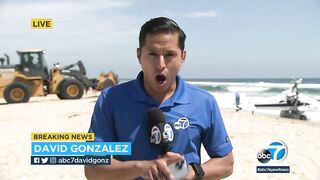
(80, 148)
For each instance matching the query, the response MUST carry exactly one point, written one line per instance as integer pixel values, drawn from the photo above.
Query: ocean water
(263, 91)
(264, 87)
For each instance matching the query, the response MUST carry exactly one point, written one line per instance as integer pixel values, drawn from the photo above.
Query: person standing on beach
(237, 98)
(121, 114)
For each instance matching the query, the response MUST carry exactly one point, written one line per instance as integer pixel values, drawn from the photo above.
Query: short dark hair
(161, 25)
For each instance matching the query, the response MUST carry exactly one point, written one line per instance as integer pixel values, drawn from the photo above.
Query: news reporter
(121, 114)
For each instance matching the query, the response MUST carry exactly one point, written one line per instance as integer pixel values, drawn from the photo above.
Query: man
(121, 114)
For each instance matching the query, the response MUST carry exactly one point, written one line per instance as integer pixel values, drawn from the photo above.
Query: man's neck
(161, 97)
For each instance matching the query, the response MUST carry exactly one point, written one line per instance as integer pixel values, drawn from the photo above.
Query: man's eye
(168, 55)
(152, 54)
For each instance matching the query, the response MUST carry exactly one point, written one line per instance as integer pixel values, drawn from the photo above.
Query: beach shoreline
(248, 133)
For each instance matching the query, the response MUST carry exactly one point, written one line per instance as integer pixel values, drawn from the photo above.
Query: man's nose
(161, 63)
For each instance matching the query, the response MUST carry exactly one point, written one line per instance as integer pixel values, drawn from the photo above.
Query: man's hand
(123, 170)
(158, 168)
(191, 174)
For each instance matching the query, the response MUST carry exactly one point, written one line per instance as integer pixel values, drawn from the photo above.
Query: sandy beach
(248, 133)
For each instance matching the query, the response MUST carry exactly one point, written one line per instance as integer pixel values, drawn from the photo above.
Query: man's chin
(162, 88)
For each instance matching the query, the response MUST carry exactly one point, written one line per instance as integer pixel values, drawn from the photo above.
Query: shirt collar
(140, 95)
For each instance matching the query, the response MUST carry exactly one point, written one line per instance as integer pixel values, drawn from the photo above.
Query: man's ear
(139, 55)
(183, 57)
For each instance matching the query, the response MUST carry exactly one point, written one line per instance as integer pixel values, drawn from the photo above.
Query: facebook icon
(36, 160)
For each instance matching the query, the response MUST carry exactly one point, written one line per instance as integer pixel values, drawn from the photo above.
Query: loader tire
(17, 92)
(71, 89)
(59, 96)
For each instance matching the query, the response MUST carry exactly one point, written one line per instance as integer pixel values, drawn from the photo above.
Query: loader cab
(33, 63)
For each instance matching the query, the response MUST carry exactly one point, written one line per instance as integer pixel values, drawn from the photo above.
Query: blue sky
(225, 38)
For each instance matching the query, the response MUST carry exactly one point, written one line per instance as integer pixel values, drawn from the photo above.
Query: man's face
(161, 59)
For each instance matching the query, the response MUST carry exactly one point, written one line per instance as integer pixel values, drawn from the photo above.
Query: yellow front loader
(33, 78)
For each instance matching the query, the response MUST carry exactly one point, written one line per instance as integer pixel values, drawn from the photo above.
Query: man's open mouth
(160, 78)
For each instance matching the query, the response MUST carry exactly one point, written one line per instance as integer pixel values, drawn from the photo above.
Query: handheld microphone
(161, 133)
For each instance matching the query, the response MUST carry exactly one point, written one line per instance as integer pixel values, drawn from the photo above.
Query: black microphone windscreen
(156, 116)
(161, 133)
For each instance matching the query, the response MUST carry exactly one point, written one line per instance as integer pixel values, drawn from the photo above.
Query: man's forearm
(218, 168)
(117, 170)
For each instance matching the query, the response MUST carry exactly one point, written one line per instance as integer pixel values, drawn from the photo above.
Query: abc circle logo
(264, 156)
(277, 151)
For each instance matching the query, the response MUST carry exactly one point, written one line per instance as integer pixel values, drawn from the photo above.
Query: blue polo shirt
(120, 115)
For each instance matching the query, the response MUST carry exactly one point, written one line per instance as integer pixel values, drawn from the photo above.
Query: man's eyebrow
(151, 50)
(155, 49)
(171, 51)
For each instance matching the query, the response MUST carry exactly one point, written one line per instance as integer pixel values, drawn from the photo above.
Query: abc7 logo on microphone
(277, 151)
(161, 134)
